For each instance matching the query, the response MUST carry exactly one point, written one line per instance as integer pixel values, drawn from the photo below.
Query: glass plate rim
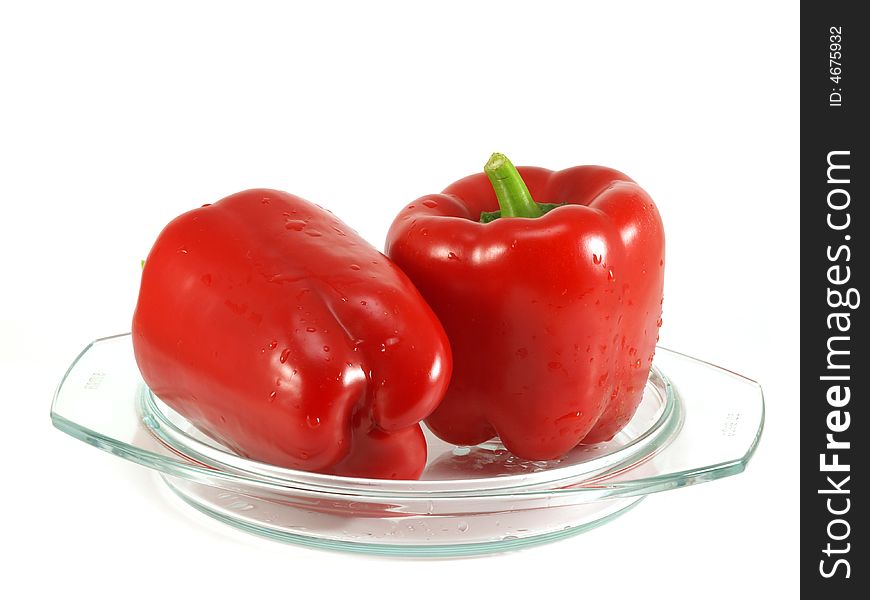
(597, 488)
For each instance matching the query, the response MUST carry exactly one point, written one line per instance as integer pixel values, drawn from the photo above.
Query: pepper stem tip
(496, 164)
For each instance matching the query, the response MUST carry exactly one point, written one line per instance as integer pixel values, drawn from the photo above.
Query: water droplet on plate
(462, 526)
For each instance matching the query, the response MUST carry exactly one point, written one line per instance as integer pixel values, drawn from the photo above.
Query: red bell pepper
(278, 331)
(552, 310)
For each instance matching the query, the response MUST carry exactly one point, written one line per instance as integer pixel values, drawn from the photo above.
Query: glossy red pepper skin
(552, 320)
(281, 333)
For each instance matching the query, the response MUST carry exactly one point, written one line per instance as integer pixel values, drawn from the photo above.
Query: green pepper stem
(513, 196)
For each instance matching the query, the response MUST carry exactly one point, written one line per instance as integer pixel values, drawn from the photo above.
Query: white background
(114, 120)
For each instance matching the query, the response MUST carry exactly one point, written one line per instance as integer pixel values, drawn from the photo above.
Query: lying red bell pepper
(278, 331)
(552, 310)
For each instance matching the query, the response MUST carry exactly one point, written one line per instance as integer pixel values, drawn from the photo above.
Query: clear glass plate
(696, 422)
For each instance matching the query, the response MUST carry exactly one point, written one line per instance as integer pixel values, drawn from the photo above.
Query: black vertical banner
(834, 366)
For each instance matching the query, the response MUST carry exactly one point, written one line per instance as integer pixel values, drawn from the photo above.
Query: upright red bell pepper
(552, 310)
(281, 333)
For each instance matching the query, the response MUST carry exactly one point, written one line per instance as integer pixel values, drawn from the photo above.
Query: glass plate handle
(97, 402)
(722, 421)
